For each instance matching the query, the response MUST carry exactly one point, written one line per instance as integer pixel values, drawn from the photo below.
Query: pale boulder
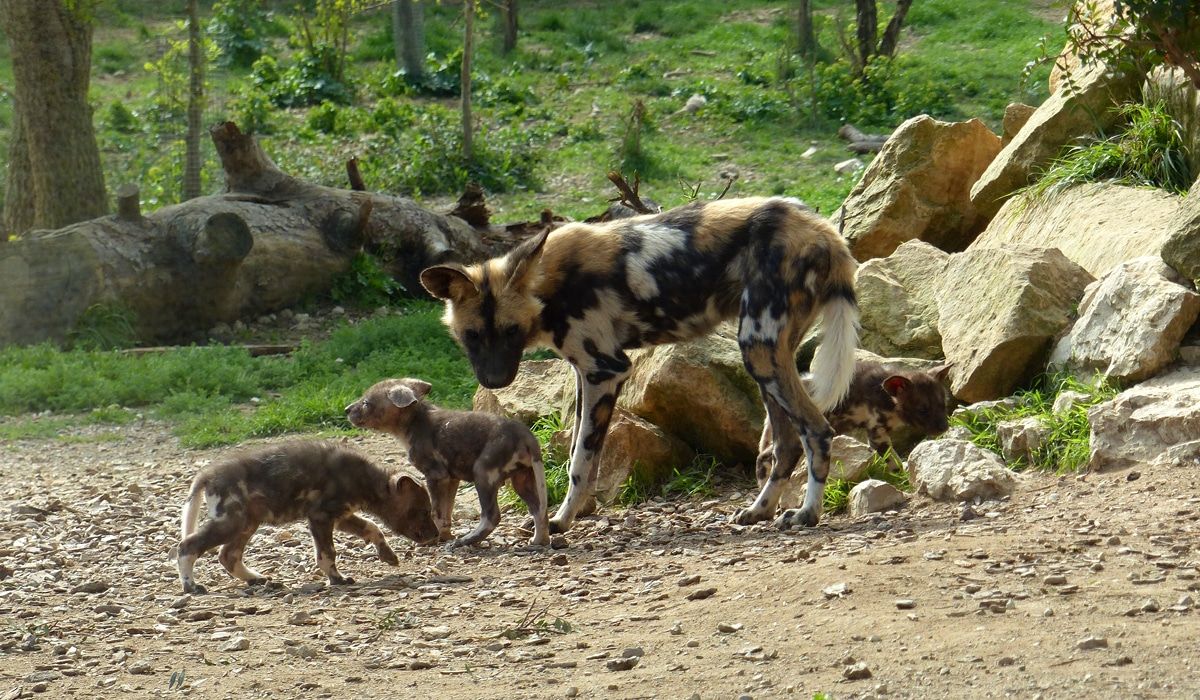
(1015, 117)
(1182, 247)
(700, 392)
(874, 496)
(1156, 422)
(542, 387)
(919, 187)
(1090, 107)
(1098, 226)
(635, 445)
(898, 301)
(1021, 438)
(957, 470)
(998, 312)
(1131, 322)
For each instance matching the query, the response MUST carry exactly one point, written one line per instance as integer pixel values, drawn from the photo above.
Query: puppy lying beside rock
(318, 481)
(452, 446)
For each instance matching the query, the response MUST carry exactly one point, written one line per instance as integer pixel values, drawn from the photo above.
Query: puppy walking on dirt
(594, 291)
(317, 481)
(453, 446)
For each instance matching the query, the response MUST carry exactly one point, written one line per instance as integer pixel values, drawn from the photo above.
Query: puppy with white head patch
(449, 447)
(317, 481)
(595, 291)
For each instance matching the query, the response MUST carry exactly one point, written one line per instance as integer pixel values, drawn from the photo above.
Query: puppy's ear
(419, 387)
(941, 372)
(401, 396)
(523, 260)
(896, 384)
(406, 484)
(448, 282)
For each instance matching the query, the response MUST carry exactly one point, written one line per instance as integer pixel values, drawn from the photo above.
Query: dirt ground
(1077, 587)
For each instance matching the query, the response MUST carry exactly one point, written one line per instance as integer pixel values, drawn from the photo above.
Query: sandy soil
(1077, 587)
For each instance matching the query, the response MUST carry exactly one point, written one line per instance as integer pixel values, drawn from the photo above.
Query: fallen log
(860, 142)
(266, 243)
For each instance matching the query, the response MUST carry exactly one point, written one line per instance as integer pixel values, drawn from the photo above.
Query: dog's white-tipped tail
(191, 509)
(833, 364)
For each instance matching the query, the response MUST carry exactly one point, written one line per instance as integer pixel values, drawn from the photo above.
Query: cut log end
(225, 239)
(129, 202)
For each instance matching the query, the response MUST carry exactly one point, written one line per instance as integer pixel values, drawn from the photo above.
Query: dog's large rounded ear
(896, 383)
(403, 483)
(523, 260)
(402, 396)
(448, 282)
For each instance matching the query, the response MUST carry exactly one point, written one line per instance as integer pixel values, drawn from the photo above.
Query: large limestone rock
(1094, 16)
(700, 392)
(635, 445)
(874, 496)
(1182, 247)
(919, 187)
(1156, 422)
(1065, 116)
(998, 312)
(542, 387)
(1097, 226)
(1021, 438)
(957, 470)
(1015, 117)
(898, 301)
(1131, 322)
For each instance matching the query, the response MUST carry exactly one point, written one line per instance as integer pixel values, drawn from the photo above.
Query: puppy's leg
(766, 450)
(211, 533)
(322, 534)
(530, 485)
(441, 495)
(602, 384)
(489, 513)
(232, 554)
(367, 530)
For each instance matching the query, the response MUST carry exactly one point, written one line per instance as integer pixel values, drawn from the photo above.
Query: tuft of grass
(105, 327)
(1153, 149)
(695, 479)
(1067, 445)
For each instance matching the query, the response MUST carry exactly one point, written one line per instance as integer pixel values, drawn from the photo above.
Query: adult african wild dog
(593, 291)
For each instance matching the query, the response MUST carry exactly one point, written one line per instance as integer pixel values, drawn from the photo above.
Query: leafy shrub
(240, 28)
(883, 96)
(253, 112)
(303, 83)
(120, 118)
(365, 284)
(442, 78)
(113, 58)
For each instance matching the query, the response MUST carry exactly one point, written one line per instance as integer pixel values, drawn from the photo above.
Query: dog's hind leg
(601, 385)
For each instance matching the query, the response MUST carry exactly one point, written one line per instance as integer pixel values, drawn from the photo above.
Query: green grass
(1067, 445)
(837, 491)
(206, 391)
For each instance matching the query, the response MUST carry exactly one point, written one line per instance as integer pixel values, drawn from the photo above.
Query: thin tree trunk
(806, 40)
(54, 145)
(195, 109)
(891, 35)
(867, 29)
(508, 16)
(408, 30)
(468, 49)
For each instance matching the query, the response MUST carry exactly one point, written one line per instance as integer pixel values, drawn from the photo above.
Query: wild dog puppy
(453, 446)
(594, 291)
(881, 400)
(317, 481)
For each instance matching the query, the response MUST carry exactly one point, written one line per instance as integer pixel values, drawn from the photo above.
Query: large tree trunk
(408, 35)
(195, 110)
(468, 126)
(508, 20)
(891, 35)
(867, 28)
(267, 243)
(54, 175)
(806, 39)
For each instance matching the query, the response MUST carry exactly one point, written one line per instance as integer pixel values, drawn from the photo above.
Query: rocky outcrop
(1067, 115)
(700, 392)
(999, 311)
(1095, 15)
(1131, 322)
(542, 387)
(919, 187)
(1182, 247)
(1098, 226)
(1015, 117)
(957, 470)
(1156, 422)
(898, 301)
(1020, 439)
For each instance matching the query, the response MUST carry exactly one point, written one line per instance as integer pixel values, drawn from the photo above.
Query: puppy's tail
(191, 507)
(833, 363)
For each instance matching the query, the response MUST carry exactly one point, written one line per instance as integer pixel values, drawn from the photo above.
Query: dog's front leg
(599, 398)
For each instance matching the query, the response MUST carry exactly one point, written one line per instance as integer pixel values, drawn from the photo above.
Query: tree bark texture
(195, 109)
(508, 18)
(806, 39)
(265, 244)
(468, 127)
(54, 176)
(866, 29)
(408, 32)
(891, 35)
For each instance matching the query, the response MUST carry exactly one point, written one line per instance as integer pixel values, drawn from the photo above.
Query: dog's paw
(195, 588)
(341, 581)
(558, 527)
(797, 518)
(387, 556)
(749, 516)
